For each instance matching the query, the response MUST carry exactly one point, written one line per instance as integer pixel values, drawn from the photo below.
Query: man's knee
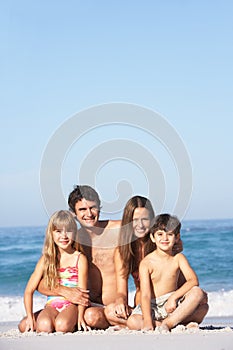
(95, 318)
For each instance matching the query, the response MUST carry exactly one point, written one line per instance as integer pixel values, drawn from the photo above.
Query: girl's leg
(22, 324)
(66, 320)
(46, 320)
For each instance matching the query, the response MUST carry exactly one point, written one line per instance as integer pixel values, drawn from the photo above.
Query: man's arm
(75, 295)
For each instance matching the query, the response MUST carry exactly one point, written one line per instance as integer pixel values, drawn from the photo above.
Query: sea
(208, 245)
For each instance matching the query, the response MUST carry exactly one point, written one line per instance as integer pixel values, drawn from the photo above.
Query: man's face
(87, 213)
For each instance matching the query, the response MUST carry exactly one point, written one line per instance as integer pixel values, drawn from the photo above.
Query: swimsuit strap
(79, 253)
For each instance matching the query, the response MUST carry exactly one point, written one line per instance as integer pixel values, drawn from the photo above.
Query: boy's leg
(185, 310)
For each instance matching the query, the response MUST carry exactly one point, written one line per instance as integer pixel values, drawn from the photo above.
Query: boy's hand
(170, 305)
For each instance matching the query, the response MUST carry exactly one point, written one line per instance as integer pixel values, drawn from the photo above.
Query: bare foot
(192, 325)
(163, 329)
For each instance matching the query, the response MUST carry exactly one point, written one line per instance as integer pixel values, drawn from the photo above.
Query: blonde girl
(61, 263)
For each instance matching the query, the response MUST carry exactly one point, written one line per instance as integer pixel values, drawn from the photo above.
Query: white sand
(208, 337)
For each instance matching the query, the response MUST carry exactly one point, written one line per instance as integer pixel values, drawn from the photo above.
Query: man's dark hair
(80, 192)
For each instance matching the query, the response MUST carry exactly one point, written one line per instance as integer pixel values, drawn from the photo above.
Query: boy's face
(164, 240)
(87, 213)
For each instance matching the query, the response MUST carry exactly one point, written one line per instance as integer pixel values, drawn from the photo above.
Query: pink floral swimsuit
(68, 277)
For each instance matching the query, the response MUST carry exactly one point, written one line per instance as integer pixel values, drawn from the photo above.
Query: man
(98, 240)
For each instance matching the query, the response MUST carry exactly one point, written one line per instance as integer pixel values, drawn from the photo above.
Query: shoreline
(220, 322)
(213, 334)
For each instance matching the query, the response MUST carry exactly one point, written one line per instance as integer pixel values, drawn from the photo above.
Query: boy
(162, 303)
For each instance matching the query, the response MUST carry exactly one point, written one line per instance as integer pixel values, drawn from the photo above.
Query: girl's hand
(30, 322)
(82, 326)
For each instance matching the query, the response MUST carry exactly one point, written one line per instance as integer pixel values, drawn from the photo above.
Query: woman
(134, 245)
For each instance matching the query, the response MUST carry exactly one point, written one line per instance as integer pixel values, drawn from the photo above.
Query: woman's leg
(112, 318)
(135, 322)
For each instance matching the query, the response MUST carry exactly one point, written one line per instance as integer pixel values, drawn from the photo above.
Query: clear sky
(61, 57)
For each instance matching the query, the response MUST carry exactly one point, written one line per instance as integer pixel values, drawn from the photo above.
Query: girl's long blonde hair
(60, 219)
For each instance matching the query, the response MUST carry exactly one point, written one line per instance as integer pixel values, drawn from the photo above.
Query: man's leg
(95, 318)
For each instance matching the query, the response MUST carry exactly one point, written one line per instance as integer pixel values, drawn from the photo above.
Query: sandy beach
(214, 334)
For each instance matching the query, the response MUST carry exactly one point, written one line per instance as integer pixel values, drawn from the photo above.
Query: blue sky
(62, 57)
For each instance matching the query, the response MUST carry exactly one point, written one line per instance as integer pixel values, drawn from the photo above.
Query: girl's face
(63, 238)
(141, 222)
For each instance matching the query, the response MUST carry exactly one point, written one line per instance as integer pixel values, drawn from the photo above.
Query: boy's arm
(29, 291)
(82, 282)
(145, 287)
(189, 275)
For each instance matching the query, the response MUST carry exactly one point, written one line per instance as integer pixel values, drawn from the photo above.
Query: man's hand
(75, 295)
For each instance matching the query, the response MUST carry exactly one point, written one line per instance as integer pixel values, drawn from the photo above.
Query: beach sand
(214, 334)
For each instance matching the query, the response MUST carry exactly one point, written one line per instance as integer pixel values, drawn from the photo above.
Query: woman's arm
(145, 286)
(121, 307)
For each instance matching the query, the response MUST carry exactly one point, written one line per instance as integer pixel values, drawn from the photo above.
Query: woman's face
(141, 222)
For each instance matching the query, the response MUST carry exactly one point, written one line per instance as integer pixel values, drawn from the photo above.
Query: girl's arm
(29, 291)
(121, 303)
(82, 282)
(191, 281)
(145, 286)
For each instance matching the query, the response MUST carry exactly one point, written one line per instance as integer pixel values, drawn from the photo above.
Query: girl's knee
(62, 325)
(22, 325)
(44, 325)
